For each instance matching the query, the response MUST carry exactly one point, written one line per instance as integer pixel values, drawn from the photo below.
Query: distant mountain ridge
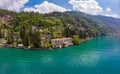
(113, 22)
(110, 23)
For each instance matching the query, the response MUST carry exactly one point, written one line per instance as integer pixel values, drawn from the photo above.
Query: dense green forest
(27, 28)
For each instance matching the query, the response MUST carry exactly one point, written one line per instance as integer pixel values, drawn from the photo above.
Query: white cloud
(14, 5)
(45, 7)
(108, 9)
(112, 15)
(87, 6)
(109, 13)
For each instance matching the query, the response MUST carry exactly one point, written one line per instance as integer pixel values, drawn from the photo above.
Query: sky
(93, 7)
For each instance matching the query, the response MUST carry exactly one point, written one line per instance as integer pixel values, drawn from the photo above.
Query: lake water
(98, 56)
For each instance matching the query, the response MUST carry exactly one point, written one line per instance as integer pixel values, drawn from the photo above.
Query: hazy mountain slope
(88, 21)
(110, 21)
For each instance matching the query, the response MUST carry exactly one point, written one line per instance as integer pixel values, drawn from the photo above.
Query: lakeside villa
(61, 42)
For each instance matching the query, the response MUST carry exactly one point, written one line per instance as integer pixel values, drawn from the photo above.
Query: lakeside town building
(61, 42)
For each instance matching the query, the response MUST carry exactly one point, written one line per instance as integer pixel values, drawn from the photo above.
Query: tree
(26, 40)
(10, 37)
(36, 39)
(0, 33)
(76, 39)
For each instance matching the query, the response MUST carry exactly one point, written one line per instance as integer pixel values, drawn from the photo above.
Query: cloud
(108, 9)
(87, 6)
(45, 7)
(15, 5)
(112, 15)
(109, 13)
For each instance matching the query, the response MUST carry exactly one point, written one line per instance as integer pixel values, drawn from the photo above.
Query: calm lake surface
(98, 56)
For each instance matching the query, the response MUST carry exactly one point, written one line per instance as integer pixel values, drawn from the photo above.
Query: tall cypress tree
(0, 33)
(10, 37)
(36, 39)
(26, 40)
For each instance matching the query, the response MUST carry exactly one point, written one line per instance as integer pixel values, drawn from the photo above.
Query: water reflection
(3, 68)
(47, 60)
(89, 59)
(84, 59)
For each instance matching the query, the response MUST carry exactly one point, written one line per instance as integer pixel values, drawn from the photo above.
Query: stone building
(61, 42)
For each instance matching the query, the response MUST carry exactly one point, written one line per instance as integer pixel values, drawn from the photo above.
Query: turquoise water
(98, 56)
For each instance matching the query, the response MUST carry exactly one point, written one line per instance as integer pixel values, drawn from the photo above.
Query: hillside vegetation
(28, 28)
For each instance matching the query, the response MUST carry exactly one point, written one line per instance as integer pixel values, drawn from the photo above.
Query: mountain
(101, 23)
(114, 23)
(28, 28)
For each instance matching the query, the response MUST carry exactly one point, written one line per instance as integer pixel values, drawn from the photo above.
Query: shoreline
(25, 48)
